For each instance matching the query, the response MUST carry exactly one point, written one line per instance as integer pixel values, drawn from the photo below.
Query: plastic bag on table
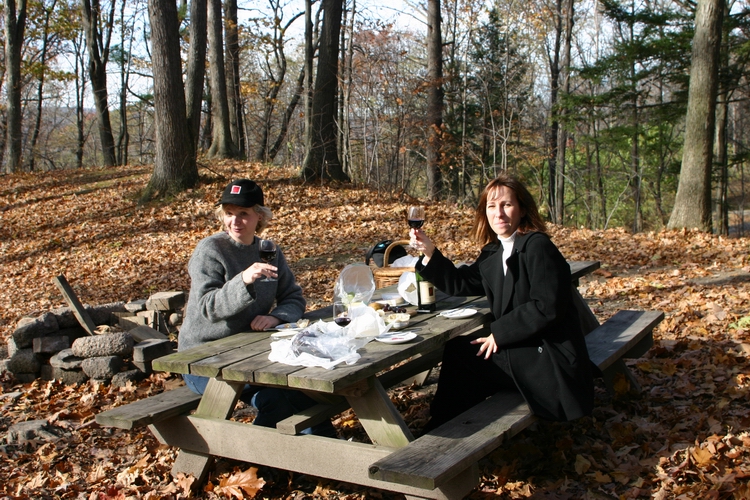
(321, 344)
(366, 322)
(355, 284)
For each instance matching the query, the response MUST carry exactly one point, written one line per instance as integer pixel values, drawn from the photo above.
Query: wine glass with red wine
(267, 251)
(341, 314)
(415, 216)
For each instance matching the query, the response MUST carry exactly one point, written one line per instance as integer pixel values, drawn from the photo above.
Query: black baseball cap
(243, 193)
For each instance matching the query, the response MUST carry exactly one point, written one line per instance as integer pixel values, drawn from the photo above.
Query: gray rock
(24, 361)
(12, 346)
(136, 305)
(110, 344)
(30, 328)
(69, 377)
(75, 332)
(102, 367)
(31, 429)
(121, 379)
(65, 317)
(175, 319)
(24, 378)
(50, 344)
(102, 314)
(4, 365)
(66, 360)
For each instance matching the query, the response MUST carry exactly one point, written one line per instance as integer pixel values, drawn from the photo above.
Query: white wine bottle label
(426, 292)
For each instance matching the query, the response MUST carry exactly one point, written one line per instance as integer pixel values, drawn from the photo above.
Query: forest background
(587, 101)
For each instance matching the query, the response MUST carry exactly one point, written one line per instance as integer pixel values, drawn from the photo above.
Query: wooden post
(70, 297)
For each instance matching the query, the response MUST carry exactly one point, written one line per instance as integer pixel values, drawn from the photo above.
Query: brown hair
(530, 221)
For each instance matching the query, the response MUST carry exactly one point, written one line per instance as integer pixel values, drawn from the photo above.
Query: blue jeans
(273, 405)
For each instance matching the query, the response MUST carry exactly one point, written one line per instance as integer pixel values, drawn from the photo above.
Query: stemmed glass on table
(341, 314)
(267, 251)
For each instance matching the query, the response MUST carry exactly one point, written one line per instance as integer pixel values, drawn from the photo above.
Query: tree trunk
(175, 168)
(692, 206)
(123, 140)
(435, 98)
(98, 50)
(15, 25)
(196, 68)
(562, 137)
(309, 56)
(284, 127)
(321, 160)
(221, 144)
(40, 85)
(554, 131)
(234, 97)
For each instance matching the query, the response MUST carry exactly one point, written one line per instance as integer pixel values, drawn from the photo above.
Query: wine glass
(341, 314)
(267, 251)
(415, 216)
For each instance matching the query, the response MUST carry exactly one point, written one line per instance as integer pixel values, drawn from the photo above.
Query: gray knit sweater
(220, 304)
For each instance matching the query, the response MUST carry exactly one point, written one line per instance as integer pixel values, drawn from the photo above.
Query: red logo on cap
(236, 189)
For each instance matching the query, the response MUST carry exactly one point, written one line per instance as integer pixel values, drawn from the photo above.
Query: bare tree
(234, 96)
(175, 168)
(196, 68)
(692, 206)
(98, 39)
(15, 24)
(221, 145)
(435, 98)
(321, 160)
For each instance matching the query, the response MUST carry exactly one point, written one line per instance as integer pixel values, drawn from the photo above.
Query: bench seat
(151, 409)
(437, 456)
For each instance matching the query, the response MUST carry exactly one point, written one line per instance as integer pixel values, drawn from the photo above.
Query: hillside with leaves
(685, 436)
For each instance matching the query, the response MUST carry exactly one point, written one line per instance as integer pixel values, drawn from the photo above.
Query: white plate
(283, 333)
(397, 338)
(458, 313)
(285, 330)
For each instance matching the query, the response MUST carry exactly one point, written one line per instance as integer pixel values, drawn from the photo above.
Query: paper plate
(458, 313)
(396, 338)
(284, 330)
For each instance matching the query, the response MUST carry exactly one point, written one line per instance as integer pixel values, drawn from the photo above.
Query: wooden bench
(152, 409)
(434, 458)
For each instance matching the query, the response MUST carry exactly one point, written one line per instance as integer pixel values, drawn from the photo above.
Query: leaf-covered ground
(686, 436)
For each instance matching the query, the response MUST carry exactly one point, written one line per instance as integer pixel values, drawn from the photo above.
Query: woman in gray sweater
(229, 294)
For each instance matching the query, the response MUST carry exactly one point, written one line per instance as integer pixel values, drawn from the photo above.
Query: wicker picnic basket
(387, 275)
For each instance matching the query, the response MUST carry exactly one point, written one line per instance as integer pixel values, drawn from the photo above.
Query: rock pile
(129, 337)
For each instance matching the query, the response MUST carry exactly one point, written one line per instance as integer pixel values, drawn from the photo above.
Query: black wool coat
(535, 321)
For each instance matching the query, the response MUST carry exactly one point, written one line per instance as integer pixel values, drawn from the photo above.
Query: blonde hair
(265, 216)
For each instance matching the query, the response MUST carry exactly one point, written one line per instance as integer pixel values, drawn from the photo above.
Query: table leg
(218, 401)
(383, 423)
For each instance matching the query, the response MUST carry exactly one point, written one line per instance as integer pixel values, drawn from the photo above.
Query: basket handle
(387, 252)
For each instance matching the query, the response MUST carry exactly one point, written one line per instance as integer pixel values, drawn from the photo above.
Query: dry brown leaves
(685, 436)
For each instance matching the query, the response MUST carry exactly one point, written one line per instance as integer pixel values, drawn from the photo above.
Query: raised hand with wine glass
(267, 251)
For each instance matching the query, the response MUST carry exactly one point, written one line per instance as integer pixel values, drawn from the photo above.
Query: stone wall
(130, 336)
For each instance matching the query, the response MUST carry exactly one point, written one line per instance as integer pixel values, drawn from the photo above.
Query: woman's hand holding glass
(419, 241)
(258, 271)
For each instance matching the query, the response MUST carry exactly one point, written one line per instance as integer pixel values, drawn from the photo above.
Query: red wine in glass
(267, 256)
(342, 320)
(267, 252)
(415, 217)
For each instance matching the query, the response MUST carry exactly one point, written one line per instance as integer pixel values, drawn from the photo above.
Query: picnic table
(439, 464)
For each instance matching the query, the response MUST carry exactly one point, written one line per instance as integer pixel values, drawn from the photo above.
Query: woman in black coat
(536, 345)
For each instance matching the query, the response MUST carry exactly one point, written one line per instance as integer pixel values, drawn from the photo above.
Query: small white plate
(285, 330)
(283, 333)
(458, 313)
(397, 338)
